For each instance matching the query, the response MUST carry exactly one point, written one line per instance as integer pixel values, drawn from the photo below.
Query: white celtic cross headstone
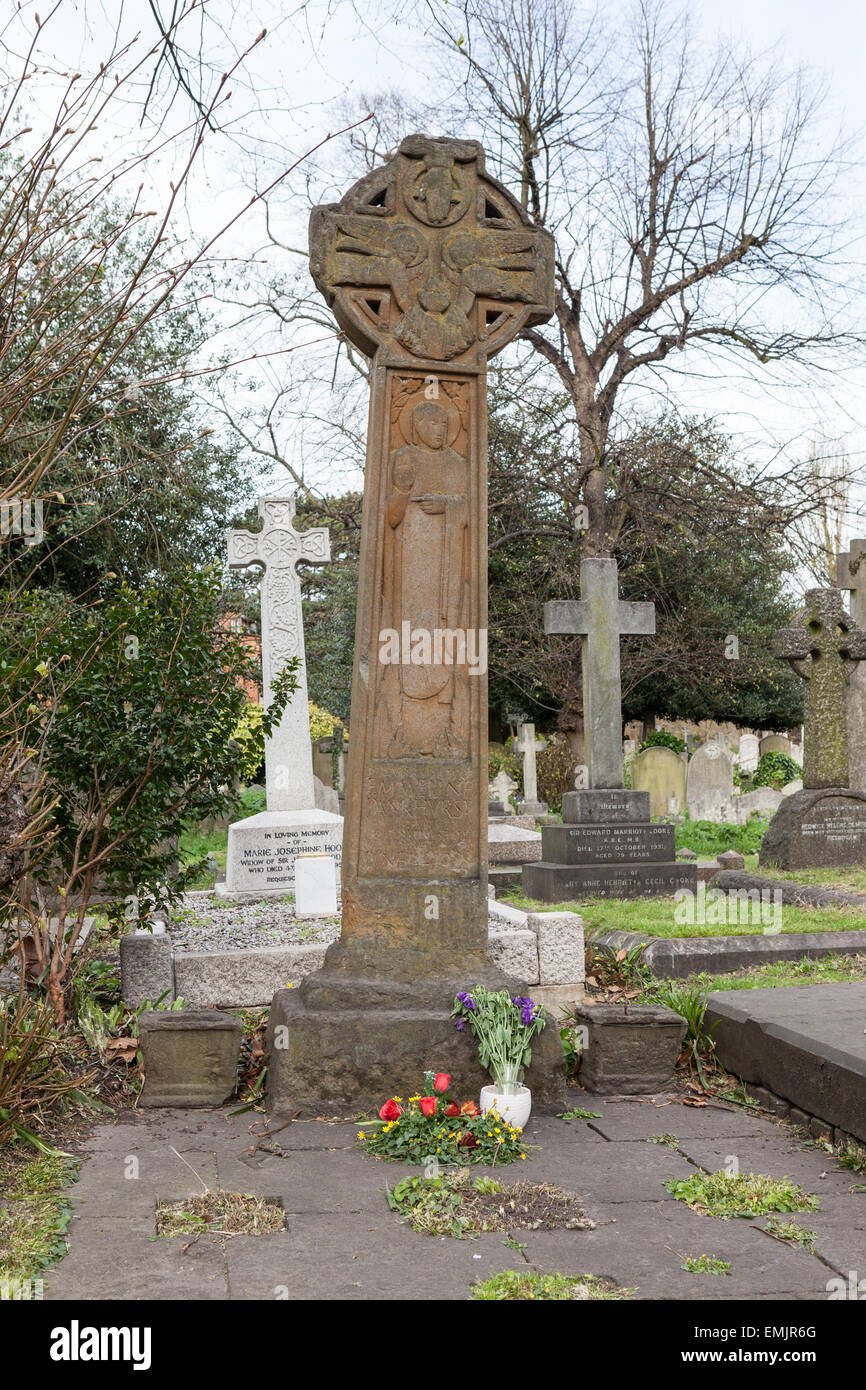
(277, 548)
(262, 849)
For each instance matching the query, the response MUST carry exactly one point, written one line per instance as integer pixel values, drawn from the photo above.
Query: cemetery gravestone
(315, 886)
(823, 825)
(528, 746)
(430, 267)
(502, 788)
(262, 848)
(775, 743)
(763, 801)
(851, 575)
(607, 845)
(710, 783)
(662, 773)
(749, 752)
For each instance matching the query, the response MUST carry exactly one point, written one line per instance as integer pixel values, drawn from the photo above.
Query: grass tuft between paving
(219, 1214)
(740, 1194)
(515, 1285)
(458, 1204)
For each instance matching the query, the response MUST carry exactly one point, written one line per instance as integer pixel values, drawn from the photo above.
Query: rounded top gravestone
(710, 784)
(775, 743)
(662, 773)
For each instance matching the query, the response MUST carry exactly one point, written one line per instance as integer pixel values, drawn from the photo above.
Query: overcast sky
(320, 55)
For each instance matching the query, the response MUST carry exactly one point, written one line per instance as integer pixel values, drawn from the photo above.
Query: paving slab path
(343, 1242)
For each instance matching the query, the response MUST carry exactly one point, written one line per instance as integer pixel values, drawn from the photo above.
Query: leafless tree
(691, 190)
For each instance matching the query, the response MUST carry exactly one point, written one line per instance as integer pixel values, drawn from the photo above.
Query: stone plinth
(817, 828)
(342, 1061)
(190, 1057)
(262, 850)
(622, 856)
(605, 807)
(629, 1053)
(146, 968)
(626, 843)
(509, 844)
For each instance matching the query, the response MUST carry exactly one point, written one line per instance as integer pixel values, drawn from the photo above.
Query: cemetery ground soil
(342, 1242)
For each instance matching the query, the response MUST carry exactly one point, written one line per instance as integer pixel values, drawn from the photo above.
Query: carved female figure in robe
(426, 585)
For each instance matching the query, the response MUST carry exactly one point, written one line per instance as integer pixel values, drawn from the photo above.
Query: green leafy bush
(323, 724)
(776, 770)
(660, 738)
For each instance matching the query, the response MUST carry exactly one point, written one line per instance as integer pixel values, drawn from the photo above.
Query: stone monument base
(344, 1042)
(817, 828)
(607, 847)
(262, 850)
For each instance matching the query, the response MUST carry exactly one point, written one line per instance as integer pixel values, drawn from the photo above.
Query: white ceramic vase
(513, 1104)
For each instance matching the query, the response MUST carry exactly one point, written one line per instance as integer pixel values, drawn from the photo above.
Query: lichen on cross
(823, 647)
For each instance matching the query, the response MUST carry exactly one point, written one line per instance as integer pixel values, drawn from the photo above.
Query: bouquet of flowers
(504, 1027)
(432, 1129)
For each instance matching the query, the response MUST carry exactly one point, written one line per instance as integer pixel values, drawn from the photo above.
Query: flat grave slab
(806, 1044)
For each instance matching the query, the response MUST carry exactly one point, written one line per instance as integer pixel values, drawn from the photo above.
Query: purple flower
(520, 1001)
(466, 1000)
(460, 1025)
(527, 1013)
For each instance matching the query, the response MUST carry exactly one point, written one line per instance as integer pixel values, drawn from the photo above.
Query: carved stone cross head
(824, 638)
(278, 545)
(823, 647)
(430, 259)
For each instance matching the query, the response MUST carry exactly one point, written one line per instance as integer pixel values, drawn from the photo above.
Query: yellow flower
(523, 1155)
(361, 1134)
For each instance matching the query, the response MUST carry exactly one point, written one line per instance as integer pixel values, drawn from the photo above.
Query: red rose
(469, 1108)
(428, 1105)
(469, 1141)
(390, 1110)
(452, 1110)
(441, 1081)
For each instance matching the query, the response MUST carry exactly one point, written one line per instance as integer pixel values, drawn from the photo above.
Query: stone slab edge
(809, 1072)
(677, 957)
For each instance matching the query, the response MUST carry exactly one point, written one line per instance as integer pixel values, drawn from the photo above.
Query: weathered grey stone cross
(430, 267)
(823, 647)
(851, 575)
(601, 617)
(278, 548)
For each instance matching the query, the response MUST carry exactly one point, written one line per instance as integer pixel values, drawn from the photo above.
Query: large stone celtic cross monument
(430, 267)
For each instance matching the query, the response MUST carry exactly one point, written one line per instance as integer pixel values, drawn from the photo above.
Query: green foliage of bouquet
(432, 1129)
(503, 1027)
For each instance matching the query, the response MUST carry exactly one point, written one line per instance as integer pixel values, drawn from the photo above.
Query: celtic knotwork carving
(430, 257)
